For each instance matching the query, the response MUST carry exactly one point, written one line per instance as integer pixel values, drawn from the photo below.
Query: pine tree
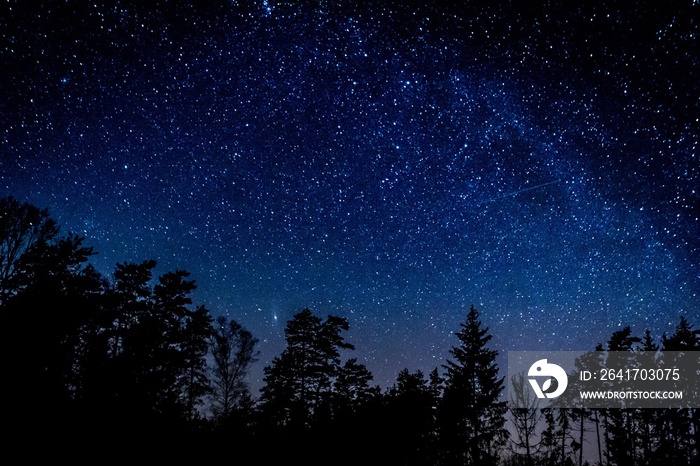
(114, 356)
(297, 398)
(621, 431)
(154, 370)
(129, 303)
(194, 345)
(411, 421)
(299, 382)
(352, 386)
(548, 439)
(681, 434)
(436, 385)
(685, 338)
(355, 403)
(472, 414)
(649, 437)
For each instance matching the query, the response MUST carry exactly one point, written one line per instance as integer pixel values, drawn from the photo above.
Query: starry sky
(390, 163)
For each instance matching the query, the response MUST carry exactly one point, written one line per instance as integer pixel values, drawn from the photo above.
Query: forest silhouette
(112, 369)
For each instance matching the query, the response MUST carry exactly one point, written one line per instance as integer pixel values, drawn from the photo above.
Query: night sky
(390, 163)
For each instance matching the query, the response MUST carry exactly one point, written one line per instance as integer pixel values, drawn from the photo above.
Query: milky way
(389, 163)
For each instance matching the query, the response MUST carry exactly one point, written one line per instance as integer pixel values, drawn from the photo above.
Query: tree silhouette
(355, 426)
(23, 229)
(233, 350)
(297, 399)
(145, 356)
(298, 383)
(114, 356)
(178, 344)
(410, 431)
(525, 417)
(194, 346)
(472, 416)
(352, 387)
(620, 423)
(681, 427)
(48, 293)
(647, 418)
(117, 361)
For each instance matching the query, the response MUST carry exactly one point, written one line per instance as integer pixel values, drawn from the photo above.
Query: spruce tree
(472, 414)
(620, 440)
(680, 427)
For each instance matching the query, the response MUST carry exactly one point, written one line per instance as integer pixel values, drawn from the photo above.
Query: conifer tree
(620, 423)
(352, 386)
(680, 427)
(411, 420)
(648, 417)
(299, 382)
(472, 414)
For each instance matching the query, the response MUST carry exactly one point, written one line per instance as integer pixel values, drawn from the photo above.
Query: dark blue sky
(390, 163)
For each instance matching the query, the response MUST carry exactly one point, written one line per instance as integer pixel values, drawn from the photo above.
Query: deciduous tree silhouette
(233, 351)
(525, 417)
(48, 294)
(23, 228)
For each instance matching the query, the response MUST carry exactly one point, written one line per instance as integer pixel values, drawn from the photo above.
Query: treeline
(561, 433)
(121, 366)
